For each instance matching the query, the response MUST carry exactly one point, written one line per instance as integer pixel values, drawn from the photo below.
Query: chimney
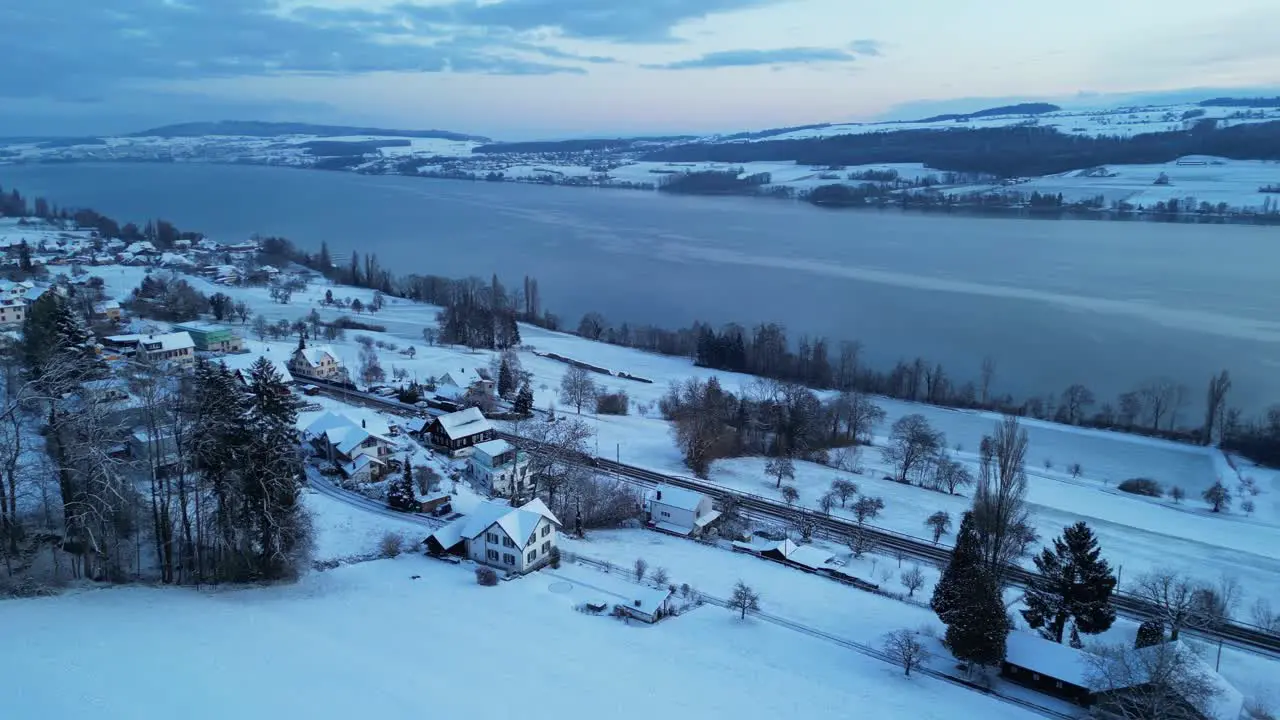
(659, 497)
(364, 424)
(637, 603)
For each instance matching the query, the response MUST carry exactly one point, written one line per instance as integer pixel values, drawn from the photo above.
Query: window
(508, 558)
(546, 547)
(1059, 684)
(507, 542)
(664, 513)
(546, 530)
(491, 537)
(492, 555)
(533, 554)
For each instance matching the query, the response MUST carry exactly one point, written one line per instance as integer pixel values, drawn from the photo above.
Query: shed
(1046, 666)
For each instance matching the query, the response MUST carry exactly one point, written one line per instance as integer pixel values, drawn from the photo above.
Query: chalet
(108, 310)
(458, 432)
(168, 347)
(212, 337)
(454, 384)
(517, 540)
(501, 467)
(1047, 667)
(317, 361)
(13, 311)
(679, 511)
(355, 450)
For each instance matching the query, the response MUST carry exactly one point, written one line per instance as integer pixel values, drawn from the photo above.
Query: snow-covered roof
(315, 354)
(494, 448)
(343, 433)
(464, 423)
(1227, 704)
(140, 247)
(105, 306)
(462, 377)
(518, 523)
(241, 363)
(1055, 660)
(678, 498)
(359, 463)
(641, 598)
(808, 555)
(416, 424)
(165, 341)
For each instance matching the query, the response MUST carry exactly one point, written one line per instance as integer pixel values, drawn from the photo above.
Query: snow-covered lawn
(368, 641)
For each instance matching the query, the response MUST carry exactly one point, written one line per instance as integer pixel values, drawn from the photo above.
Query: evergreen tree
(400, 494)
(1150, 632)
(1073, 583)
(948, 594)
(324, 261)
(979, 625)
(24, 257)
(278, 525)
(506, 379)
(524, 401)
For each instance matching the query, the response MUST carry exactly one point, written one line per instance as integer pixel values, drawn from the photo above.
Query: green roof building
(211, 337)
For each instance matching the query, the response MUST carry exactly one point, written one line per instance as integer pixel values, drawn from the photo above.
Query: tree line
(1018, 151)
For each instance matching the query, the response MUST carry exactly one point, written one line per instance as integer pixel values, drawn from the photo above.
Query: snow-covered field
(369, 641)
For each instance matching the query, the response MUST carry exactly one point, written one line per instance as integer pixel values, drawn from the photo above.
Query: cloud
(867, 47)
(625, 21)
(126, 42)
(752, 58)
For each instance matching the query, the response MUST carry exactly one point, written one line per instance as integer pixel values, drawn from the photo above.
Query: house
(142, 249)
(357, 451)
(317, 361)
(679, 511)
(416, 426)
(112, 402)
(156, 452)
(241, 364)
(167, 347)
(501, 467)
(108, 310)
(458, 432)
(517, 540)
(13, 311)
(212, 337)
(1047, 667)
(10, 289)
(454, 384)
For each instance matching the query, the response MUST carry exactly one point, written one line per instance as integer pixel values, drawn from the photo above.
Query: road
(1234, 634)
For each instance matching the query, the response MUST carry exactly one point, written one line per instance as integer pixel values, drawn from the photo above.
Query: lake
(1108, 304)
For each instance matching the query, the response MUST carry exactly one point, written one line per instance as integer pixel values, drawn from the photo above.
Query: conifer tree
(968, 602)
(965, 557)
(506, 379)
(400, 493)
(524, 401)
(1073, 583)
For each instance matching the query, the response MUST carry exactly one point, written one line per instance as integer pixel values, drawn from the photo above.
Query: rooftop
(464, 423)
(675, 497)
(1055, 660)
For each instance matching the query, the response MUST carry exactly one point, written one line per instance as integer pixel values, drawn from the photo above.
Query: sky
(518, 69)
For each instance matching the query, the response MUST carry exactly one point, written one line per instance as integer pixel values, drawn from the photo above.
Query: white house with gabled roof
(679, 511)
(517, 540)
(356, 450)
(316, 361)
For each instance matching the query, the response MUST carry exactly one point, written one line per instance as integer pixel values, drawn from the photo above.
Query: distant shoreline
(960, 208)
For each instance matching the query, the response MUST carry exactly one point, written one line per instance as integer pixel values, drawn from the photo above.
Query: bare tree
(1177, 493)
(950, 475)
(903, 647)
(790, 494)
(1215, 404)
(1165, 681)
(1217, 496)
(827, 501)
(844, 490)
(1173, 597)
(1248, 507)
(242, 311)
(781, 468)
(660, 577)
(861, 542)
(555, 450)
(913, 580)
(577, 388)
(1001, 518)
(1159, 396)
(744, 599)
(861, 416)
(1216, 604)
(939, 523)
(1264, 617)
(912, 443)
(640, 568)
(867, 508)
(1075, 399)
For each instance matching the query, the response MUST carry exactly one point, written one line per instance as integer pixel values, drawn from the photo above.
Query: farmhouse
(499, 466)
(460, 431)
(679, 511)
(642, 602)
(318, 361)
(211, 337)
(349, 445)
(517, 540)
(454, 384)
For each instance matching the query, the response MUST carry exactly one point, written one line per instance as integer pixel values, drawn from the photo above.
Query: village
(443, 446)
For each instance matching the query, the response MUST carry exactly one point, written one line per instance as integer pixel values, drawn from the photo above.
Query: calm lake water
(1104, 303)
